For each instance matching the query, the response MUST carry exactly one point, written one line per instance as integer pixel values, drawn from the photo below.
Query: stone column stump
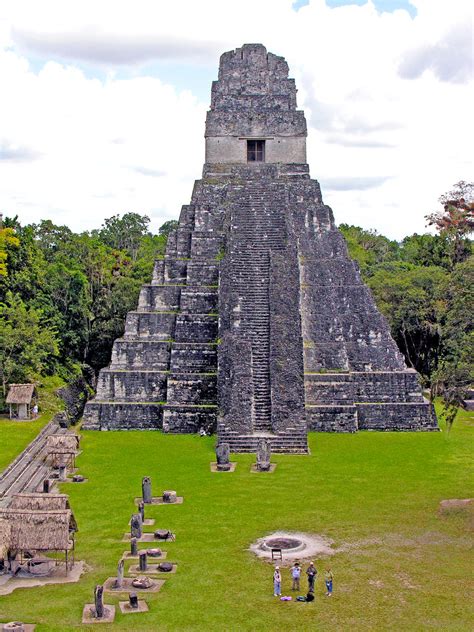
(169, 496)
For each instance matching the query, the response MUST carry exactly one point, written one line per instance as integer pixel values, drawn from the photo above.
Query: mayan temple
(256, 323)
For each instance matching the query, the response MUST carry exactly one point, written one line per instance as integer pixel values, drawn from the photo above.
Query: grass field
(16, 435)
(405, 567)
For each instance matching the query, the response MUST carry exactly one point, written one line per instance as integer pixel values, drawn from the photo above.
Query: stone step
(278, 444)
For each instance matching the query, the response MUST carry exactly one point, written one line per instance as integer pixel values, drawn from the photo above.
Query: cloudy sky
(103, 102)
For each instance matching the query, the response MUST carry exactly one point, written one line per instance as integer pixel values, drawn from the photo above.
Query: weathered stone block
(175, 271)
(192, 388)
(206, 245)
(157, 325)
(203, 273)
(132, 385)
(193, 357)
(196, 328)
(140, 354)
(159, 298)
(199, 300)
(396, 416)
(185, 419)
(122, 416)
(332, 418)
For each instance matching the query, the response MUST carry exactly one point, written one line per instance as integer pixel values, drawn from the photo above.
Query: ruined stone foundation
(256, 323)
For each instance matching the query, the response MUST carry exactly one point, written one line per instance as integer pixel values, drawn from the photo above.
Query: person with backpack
(296, 574)
(311, 572)
(277, 582)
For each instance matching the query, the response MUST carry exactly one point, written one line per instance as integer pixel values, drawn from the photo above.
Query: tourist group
(296, 571)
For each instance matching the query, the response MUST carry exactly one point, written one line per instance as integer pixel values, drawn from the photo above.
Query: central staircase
(258, 229)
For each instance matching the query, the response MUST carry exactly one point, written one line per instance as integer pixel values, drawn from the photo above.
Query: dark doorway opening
(255, 151)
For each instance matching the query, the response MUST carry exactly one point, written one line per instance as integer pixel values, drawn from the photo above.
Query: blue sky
(381, 5)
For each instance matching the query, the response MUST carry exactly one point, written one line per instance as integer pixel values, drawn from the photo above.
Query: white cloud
(353, 183)
(16, 153)
(386, 96)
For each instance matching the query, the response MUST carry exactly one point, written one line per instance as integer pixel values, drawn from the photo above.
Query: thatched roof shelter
(43, 502)
(5, 538)
(20, 393)
(62, 448)
(40, 530)
(19, 400)
(39, 502)
(63, 443)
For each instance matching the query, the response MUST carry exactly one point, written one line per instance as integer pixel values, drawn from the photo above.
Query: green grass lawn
(405, 567)
(16, 435)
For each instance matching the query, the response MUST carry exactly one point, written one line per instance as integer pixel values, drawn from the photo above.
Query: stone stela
(256, 323)
(263, 455)
(98, 612)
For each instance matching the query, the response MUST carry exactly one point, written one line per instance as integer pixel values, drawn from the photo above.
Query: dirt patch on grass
(376, 583)
(405, 580)
(310, 546)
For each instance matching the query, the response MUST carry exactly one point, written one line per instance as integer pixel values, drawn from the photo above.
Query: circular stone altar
(285, 544)
(293, 546)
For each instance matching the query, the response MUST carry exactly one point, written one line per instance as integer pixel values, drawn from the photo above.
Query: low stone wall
(122, 416)
(396, 416)
(332, 418)
(189, 419)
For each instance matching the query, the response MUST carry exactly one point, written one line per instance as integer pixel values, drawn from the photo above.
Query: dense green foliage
(400, 565)
(64, 296)
(425, 288)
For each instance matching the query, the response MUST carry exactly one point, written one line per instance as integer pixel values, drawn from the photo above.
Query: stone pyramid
(256, 323)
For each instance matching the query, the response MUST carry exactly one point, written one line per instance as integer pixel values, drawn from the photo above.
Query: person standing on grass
(296, 574)
(328, 579)
(277, 582)
(311, 572)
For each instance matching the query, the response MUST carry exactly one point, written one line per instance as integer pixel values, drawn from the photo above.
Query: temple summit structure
(256, 322)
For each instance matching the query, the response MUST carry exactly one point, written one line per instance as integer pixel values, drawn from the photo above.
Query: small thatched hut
(41, 531)
(62, 449)
(19, 400)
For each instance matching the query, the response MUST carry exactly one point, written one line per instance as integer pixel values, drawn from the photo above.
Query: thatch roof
(39, 530)
(5, 538)
(43, 502)
(39, 502)
(20, 393)
(62, 443)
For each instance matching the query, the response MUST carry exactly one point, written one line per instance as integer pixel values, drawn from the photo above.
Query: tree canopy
(64, 295)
